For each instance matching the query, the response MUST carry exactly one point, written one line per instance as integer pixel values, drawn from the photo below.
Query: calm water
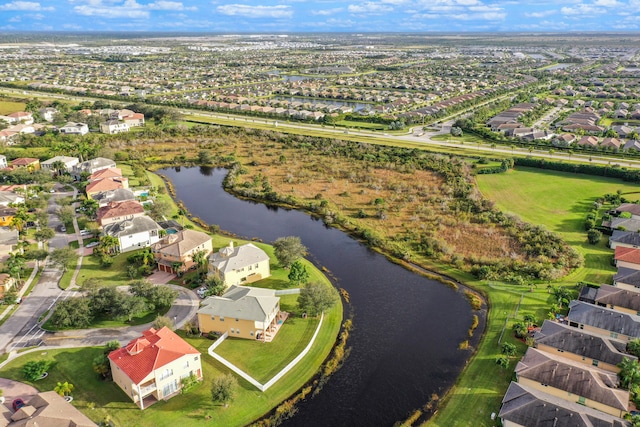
(357, 106)
(406, 328)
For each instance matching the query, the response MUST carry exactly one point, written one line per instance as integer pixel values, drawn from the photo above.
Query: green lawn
(114, 275)
(361, 125)
(190, 409)
(560, 201)
(292, 338)
(8, 107)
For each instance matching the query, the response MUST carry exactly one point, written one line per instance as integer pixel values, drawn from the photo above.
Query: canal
(404, 345)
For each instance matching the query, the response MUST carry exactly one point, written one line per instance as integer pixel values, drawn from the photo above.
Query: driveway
(13, 389)
(161, 277)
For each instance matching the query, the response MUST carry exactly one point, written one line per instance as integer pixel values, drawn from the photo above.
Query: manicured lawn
(190, 409)
(560, 201)
(8, 107)
(361, 125)
(267, 359)
(114, 275)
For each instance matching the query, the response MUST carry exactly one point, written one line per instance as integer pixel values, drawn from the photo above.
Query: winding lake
(406, 328)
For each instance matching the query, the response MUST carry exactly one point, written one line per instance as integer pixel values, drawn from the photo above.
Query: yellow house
(241, 265)
(6, 216)
(243, 312)
(26, 162)
(566, 379)
(6, 282)
(153, 367)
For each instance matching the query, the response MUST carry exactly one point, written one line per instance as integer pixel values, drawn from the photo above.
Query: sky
(282, 16)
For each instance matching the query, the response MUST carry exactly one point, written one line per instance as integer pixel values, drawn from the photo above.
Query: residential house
(627, 257)
(74, 128)
(138, 232)
(627, 278)
(8, 242)
(580, 346)
(6, 282)
(48, 113)
(526, 406)
(3, 161)
(91, 166)
(26, 162)
(9, 197)
(21, 117)
(612, 143)
(615, 298)
(134, 120)
(113, 196)
(632, 145)
(588, 141)
(107, 184)
(69, 162)
(154, 366)
(109, 173)
(119, 211)
(625, 239)
(632, 208)
(561, 377)
(240, 265)
(48, 409)
(603, 321)
(623, 131)
(113, 126)
(243, 312)
(178, 249)
(6, 215)
(623, 224)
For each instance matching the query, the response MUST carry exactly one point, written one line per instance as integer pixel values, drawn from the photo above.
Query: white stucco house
(136, 233)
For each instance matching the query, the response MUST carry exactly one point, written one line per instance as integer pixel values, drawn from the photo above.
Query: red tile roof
(24, 161)
(631, 255)
(117, 209)
(106, 173)
(150, 352)
(104, 185)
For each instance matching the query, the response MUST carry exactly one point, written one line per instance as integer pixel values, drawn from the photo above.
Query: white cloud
(169, 5)
(582, 9)
(327, 12)
(369, 7)
(26, 6)
(541, 14)
(607, 3)
(248, 11)
(129, 9)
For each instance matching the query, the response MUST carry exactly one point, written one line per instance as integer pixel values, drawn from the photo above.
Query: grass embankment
(8, 107)
(99, 400)
(560, 202)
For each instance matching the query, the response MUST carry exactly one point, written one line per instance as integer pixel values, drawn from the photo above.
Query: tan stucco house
(179, 248)
(243, 312)
(239, 265)
(153, 366)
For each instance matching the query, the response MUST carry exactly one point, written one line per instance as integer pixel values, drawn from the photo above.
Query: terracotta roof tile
(631, 255)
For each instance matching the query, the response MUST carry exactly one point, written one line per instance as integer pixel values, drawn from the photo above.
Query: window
(613, 334)
(221, 319)
(238, 331)
(166, 374)
(236, 319)
(594, 362)
(581, 400)
(186, 365)
(251, 333)
(195, 358)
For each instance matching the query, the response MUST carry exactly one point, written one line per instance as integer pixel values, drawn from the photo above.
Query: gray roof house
(526, 406)
(8, 197)
(626, 239)
(581, 346)
(603, 321)
(117, 195)
(8, 241)
(69, 162)
(92, 166)
(135, 233)
(593, 387)
(623, 224)
(627, 277)
(613, 297)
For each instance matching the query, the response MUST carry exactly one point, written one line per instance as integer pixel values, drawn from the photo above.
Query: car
(92, 244)
(17, 404)
(18, 300)
(52, 190)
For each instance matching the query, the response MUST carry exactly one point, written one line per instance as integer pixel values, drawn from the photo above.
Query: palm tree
(200, 258)
(59, 167)
(64, 389)
(109, 243)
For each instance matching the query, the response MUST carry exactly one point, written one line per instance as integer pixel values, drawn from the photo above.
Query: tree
(200, 258)
(594, 236)
(205, 157)
(502, 361)
(508, 349)
(15, 265)
(44, 234)
(298, 274)
(130, 307)
(59, 167)
(66, 214)
(160, 209)
(456, 131)
(162, 321)
(63, 257)
(101, 363)
(34, 370)
(633, 347)
(223, 389)
(519, 329)
(64, 389)
(72, 313)
(315, 298)
(529, 319)
(108, 244)
(288, 249)
(629, 372)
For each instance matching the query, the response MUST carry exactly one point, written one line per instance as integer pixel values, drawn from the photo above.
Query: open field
(559, 201)
(8, 107)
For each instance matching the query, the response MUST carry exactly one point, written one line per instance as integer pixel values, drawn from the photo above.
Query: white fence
(276, 377)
